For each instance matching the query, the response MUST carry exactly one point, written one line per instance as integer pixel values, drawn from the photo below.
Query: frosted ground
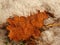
(27, 7)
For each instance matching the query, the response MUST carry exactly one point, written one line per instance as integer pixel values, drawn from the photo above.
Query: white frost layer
(48, 36)
(19, 7)
(25, 7)
(52, 6)
(56, 30)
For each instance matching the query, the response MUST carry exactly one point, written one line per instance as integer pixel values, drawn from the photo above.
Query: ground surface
(24, 7)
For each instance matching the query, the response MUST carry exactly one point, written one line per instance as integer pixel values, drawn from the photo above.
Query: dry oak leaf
(23, 28)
